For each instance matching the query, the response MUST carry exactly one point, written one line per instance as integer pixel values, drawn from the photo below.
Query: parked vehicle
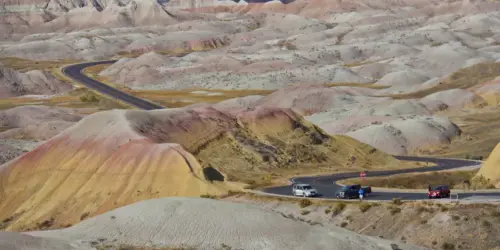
(442, 191)
(304, 190)
(352, 191)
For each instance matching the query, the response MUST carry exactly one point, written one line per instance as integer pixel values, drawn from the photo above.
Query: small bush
(84, 216)
(434, 243)
(363, 207)
(208, 196)
(394, 210)
(422, 209)
(339, 208)
(486, 223)
(89, 97)
(304, 212)
(423, 222)
(327, 211)
(397, 201)
(455, 217)
(444, 209)
(343, 224)
(448, 246)
(305, 203)
(495, 214)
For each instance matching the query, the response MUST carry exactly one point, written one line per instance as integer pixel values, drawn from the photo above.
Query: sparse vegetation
(339, 207)
(364, 206)
(304, 203)
(397, 201)
(208, 196)
(89, 97)
(84, 216)
(448, 246)
(305, 212)
(394, 210)
(343, 224)
(25, 65)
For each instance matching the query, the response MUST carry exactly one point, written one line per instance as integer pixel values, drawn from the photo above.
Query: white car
(304, 190)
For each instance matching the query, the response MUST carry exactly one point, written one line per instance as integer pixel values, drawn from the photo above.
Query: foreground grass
(454, 179)
(424, 223)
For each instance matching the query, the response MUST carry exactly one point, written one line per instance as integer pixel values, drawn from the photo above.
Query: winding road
(75, 72)
(326, 185)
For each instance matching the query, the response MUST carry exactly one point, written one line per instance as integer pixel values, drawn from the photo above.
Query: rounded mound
(208, 224)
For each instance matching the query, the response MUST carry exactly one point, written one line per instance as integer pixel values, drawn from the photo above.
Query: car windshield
(345, 188)
(307, 187)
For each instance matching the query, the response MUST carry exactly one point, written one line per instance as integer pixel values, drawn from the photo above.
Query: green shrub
(327, 211)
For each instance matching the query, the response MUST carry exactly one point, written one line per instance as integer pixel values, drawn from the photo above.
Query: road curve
(326, 185)
(75, 72)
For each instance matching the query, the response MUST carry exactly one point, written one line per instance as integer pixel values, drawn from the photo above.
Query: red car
(439, 192)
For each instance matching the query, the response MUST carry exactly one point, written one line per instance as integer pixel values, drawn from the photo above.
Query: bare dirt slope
(207, 224)
(435, 225)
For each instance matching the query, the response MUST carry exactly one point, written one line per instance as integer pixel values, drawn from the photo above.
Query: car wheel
(304, 195)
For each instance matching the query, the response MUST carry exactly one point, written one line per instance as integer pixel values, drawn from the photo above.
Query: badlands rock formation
(36, 82)
(195, 223)
(138, 155)
(36, 122)
(22, 128)
(490, 172)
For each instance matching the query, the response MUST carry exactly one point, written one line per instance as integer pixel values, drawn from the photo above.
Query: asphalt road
(76, 73)
(325, 185)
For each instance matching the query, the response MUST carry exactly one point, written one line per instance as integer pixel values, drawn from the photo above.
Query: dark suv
(442, 191)
(352, 191)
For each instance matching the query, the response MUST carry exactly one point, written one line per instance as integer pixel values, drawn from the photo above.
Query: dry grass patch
(79, 98)
(418, 181)
(174, 98)
(181, 98)
(480, 135)
(464, 78)
(25, 65)
(356, 64)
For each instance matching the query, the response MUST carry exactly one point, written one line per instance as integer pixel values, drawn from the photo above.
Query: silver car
(304, 190)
